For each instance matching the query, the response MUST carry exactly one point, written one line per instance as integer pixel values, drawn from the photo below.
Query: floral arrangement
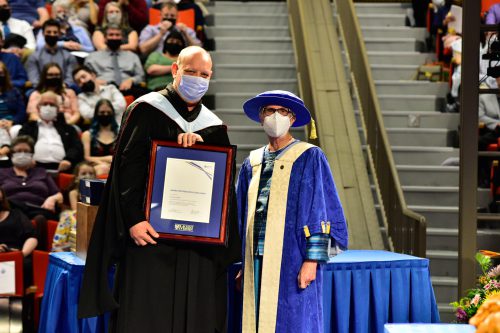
(488, 285)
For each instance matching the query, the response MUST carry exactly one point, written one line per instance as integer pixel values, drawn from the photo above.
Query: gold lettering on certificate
(184, 227)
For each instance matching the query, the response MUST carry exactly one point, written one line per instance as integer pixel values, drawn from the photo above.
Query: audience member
(17, 234)
(114, 15)
(86, 14)
(51, 80)
(33, 11)
(29, 188)
(115, 66)
(17, 73)
(493, 15)
(159, 65)
(420, 11)
(12, 110)
(72, 37)
(57, 145)
(99, 141)
(136, 10)
(67, 220)
(12, 25)
(153, 37)
(50, 53)
(199, 19)
(93, 91)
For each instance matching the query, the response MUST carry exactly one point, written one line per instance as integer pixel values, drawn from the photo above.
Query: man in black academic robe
(168, 286)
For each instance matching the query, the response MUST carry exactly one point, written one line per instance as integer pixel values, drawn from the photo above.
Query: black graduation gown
(169, 287)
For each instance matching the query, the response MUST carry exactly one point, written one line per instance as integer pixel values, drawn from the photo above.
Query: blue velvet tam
(283, 98)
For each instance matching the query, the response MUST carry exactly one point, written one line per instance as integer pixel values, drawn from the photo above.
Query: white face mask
(48, 112)
(276, 125)
(22, 160)
(114, 18)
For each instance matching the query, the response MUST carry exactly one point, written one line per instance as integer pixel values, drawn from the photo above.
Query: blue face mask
(192, 88)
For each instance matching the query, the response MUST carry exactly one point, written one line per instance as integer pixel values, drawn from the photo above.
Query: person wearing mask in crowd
(99, 141)
(67, 220)
(113, 14)
(29, 187)
(57, 144)
(72, 37)
(50, 53)
(33, 11)
(12, 111)
(153, 37)
(118, 67)
(289, 240)
(85, 14)
(17, 73)
(136, 10)
(122, 235)
(17, 234)
(15, 26)
(51, 80)
(159, 65)
(92, 91)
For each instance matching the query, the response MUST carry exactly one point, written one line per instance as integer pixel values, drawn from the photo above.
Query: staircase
(420, 138)
(253, 54)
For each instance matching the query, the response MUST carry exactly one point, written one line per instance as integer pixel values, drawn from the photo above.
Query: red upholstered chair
(51, 230)
(40, 266)
(486, 4)
(17, 257)
(64, 180)
(129, 99)
(154, 16)
(187, 17)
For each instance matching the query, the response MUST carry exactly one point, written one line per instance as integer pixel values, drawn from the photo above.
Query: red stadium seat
(17, 257)
(64, 180)
(486, 4)
(40, 266)
(154, 16)
(187, 17)
(129, 99)
(51, 230)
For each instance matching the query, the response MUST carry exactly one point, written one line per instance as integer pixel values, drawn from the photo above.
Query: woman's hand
(49, 204)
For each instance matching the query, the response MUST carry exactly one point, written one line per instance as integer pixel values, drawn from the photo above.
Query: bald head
(48, 98)
(194, 53)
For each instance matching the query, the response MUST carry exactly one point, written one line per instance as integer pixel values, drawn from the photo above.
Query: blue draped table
(429, 328)
(60, 297)
(363, 290)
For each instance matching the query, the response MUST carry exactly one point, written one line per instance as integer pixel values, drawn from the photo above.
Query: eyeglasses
(267, 111)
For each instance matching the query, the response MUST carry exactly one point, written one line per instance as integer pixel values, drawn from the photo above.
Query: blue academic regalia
(313, 207)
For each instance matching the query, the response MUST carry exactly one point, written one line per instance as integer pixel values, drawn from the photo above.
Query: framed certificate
(188, 191)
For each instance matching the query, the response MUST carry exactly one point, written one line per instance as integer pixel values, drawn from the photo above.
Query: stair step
(428, 175)
(260, 7)
(263, 71)
(410, 102)
(253, 43)
(399, 58)
(393, 44)
(438, 216)
(420, 119)
(427, 137)
(234, 117)
(394, 72)
(407, 87)
(443, 263)
(446, 313)
(255, 86)
(244, 150)
(385, 20)
(256, 135)
(422, 155)
(445, 288)
(279, 19)
(249, 57)
(444, 195)
(394, 32)
(381, 8)
(447, 239)
(250, 31)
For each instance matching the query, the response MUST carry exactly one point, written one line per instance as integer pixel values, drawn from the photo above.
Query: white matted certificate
(188, 197)
(8, 277)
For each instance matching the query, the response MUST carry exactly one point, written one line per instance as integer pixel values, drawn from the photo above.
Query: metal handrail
(407, 228)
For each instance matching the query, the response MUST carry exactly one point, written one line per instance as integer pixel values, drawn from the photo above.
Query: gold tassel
(306, 231)
(313, 134)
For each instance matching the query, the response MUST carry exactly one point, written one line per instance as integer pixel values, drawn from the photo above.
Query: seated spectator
(420, 11)
(493, 15)
(67, 220)
(118, 67)
(93, 91)
(12, 110)
(17, 234)
(12, 25)
(57, 145)
(199, 19)
(72, 37)
(153, 37)
(29, 188)
(51, 80)
(17, 73)
(136, 10)
(85, 14)
(158, 66)
(51, 52)
(99, 141)
(114, 15)
(33, 11)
